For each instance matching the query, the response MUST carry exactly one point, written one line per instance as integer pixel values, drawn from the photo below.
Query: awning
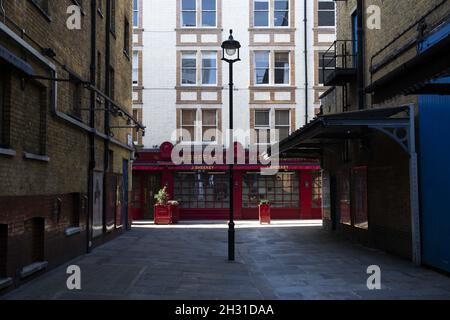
(333, 128)
(11, 59)
(396, 123)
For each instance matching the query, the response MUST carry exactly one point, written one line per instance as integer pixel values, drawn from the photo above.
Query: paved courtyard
(287, 260)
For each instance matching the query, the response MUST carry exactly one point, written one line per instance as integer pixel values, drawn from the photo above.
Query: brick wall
(54, 186)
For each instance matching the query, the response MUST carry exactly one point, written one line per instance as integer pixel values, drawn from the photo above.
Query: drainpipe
(305, 21)
(107, 104)
(360, 72)
(92, 105)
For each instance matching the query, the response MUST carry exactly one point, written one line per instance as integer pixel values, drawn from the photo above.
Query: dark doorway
(151, 185)
(3, 249)
(35, 230)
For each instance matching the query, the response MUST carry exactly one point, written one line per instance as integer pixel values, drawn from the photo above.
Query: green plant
(162, 197)
(263, 202)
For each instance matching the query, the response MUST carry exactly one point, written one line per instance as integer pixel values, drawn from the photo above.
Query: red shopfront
(203, 191)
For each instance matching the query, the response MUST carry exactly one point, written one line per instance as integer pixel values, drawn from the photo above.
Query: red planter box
(264, 213)
(163, 214)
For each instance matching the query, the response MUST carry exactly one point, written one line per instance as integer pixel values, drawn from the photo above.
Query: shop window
(202, 190)
(188, 118)
(35, 229)
(3, 249)
(360, 198)
(344, 198)
(209, 125)
(316, 180)
(282, 190)
(282, 124)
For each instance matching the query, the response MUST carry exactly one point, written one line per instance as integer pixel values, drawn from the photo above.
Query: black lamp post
(230, 54)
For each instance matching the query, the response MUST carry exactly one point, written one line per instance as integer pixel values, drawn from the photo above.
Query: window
(76, 92)
(281, 13)
(262, 67)
(188, 119)
(316, 190)
(209, 68)
(209, 125)
(189, 13)
(99, 71)
(42, 4)
(126, 37)
(112, 16)
(208, 13)
(326, 13)
(327, 64)
(282, 123)
(282, 69)
(344, 198)
(262, 126)
(34, 107)
(135, 14)
(112, 81)
(202, 189)
(282, 190)
(189, 68)
(261, 13)
(135, 67)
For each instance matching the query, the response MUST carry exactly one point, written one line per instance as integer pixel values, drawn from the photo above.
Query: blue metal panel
(434, 114)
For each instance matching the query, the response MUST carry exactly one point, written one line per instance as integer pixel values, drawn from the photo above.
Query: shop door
(152, 184)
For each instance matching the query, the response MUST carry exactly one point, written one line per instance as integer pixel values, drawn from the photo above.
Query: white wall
(159, 67)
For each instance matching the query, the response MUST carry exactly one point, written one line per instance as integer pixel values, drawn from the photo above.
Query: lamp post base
(231, 234)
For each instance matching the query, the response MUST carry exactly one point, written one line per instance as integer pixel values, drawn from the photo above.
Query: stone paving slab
(289, 260)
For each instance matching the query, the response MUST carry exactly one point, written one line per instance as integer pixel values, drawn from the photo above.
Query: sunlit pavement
(286, 260)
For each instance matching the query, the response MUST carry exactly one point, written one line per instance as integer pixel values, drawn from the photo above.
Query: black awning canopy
(331, 129)
(11, 59)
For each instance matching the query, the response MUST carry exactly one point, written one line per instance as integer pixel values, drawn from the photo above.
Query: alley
(287, 260)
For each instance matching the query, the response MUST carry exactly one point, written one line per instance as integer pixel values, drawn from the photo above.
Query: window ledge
(7, 152)
(5, 283)
(31, 156)
(33, 268)
(42, 11)
(72, 231)
(126, 54)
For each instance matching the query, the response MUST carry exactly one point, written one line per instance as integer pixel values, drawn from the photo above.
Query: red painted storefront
(294, 193)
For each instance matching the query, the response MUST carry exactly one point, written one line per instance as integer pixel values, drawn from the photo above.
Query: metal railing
(342, 54)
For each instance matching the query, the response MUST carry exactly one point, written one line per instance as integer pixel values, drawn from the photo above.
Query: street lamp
(230, 54)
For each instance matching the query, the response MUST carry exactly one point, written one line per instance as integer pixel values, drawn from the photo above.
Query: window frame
(255, 68)
(263, 127)
(136, 20)
(288, 14)
(201, 11)
(209, 127)
(325, 10)
(202, 68)
(268, 13)
(193, 126)
(135, 68)
(288, 53)
(288, 125)
(182, 11)
(195, 55)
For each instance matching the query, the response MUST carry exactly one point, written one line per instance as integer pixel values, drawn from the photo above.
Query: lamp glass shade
(230, 52)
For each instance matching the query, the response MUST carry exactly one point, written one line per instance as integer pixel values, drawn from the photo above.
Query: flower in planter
(162, 197)
(264, 202)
